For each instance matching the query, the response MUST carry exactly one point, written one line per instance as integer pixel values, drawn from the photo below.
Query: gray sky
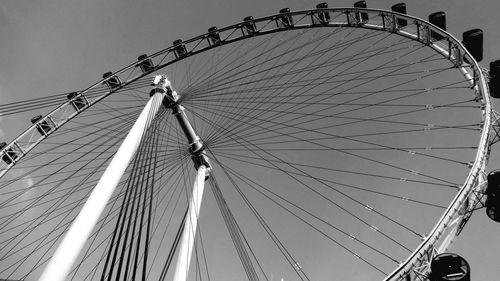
(55, 46)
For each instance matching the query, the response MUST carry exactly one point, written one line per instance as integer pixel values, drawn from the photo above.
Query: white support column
(189, 231)
(81, 228)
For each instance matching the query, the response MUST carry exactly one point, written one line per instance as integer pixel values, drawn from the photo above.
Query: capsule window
(448, 266)
(285, 19)
(112, 80)
(438, 19)
(9, 155)
(493, 196)
(400, 8)
(473, 42)
(77, 101)
(43, 126)
(323, 17)
(361, 17)
(249, 27)
(213, 36)
(494, 81)
(145, 64)
(179, 48)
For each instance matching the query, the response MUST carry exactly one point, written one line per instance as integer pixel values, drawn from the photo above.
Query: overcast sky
(57, 46)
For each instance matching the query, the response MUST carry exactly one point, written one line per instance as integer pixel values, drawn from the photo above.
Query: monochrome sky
(56, 46)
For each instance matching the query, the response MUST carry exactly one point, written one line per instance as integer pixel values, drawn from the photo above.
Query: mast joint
(196, 147)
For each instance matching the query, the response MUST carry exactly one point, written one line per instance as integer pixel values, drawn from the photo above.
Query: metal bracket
(171, 100)
(201, 159)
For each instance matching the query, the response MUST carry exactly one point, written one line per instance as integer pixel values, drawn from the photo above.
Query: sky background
(56, 46)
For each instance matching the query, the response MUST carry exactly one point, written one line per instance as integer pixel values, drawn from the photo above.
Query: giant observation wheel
(345, 142)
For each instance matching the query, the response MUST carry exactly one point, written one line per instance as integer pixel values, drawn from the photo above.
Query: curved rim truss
(468, 196)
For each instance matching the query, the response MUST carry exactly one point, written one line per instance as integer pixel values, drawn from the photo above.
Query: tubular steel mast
(203, 168)
(81, 228)
(74, 240)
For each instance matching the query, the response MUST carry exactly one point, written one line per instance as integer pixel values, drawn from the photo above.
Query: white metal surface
(81, 228)
(190, 225)
(32, 138)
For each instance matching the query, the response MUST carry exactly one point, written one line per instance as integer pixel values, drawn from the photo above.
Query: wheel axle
(171, 101)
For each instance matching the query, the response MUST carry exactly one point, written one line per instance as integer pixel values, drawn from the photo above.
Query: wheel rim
(289, 120)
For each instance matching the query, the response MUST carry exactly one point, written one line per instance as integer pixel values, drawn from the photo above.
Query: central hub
(196, 148)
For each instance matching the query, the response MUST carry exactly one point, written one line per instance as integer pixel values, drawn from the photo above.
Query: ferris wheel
(348, 142)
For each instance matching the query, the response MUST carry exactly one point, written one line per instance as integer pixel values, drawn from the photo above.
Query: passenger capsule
(438, 19)
(145, 63)
(473, 42)
(449, 267)
(179, 48)
(9, 155)
(285, 18)
(78, 102)
(361, 17)
(493, 196)
(494, 82)
(400, 8)
(213, 36)
(249, 27)
(43, 127)
(113, 81)
(323, 16)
